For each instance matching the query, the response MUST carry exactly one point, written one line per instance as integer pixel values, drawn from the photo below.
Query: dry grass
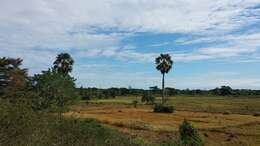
(227, 129)
(241, 105)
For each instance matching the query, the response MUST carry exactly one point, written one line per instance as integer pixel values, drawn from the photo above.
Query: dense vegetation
(21, 126)
(31, 109)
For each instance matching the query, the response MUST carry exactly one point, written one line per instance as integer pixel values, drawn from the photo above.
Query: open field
(216, 126)
(240, 105)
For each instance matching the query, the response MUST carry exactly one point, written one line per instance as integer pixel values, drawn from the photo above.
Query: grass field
(240, 105)
(223, 121)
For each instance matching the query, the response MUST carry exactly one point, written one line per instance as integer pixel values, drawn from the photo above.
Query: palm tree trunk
(163, 96)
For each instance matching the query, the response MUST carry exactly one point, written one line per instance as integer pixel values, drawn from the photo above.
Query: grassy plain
(242, 105)
(226, 121)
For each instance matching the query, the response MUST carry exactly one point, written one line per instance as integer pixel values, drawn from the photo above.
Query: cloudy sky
(114, 42)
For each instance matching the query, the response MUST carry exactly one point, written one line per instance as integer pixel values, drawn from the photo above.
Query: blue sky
(114, 43)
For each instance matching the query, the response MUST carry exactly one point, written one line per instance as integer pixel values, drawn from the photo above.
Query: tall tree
(63, 63)
(163, 64)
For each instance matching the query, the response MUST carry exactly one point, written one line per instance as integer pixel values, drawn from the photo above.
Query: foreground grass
(21, 126)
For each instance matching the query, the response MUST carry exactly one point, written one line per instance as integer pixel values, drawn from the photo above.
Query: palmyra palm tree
(164, 65)
(63, 63)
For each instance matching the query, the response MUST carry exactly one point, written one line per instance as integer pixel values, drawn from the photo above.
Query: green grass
(242, 105)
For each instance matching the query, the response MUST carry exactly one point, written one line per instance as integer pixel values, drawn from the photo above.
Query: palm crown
(163, 63)
(63, 63)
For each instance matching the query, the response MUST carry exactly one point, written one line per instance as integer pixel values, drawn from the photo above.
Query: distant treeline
(89, 93)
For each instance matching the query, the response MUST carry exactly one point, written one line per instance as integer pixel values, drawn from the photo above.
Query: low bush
(160, 108)
(189, 136)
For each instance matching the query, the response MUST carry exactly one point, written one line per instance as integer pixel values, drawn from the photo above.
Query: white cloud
(160, 44)
(48, 23)
(240, 45)
(226, 52)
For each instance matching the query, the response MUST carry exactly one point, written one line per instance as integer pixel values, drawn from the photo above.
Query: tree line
(90, 93)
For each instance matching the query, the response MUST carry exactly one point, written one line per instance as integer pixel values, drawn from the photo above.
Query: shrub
(160, 108)
(189, 136)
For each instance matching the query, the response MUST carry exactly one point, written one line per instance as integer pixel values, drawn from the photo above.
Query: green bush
(22, 126)
(54, 90)
(160, 108)
(189, 136)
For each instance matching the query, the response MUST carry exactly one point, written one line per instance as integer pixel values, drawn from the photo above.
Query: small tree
(54, 89)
